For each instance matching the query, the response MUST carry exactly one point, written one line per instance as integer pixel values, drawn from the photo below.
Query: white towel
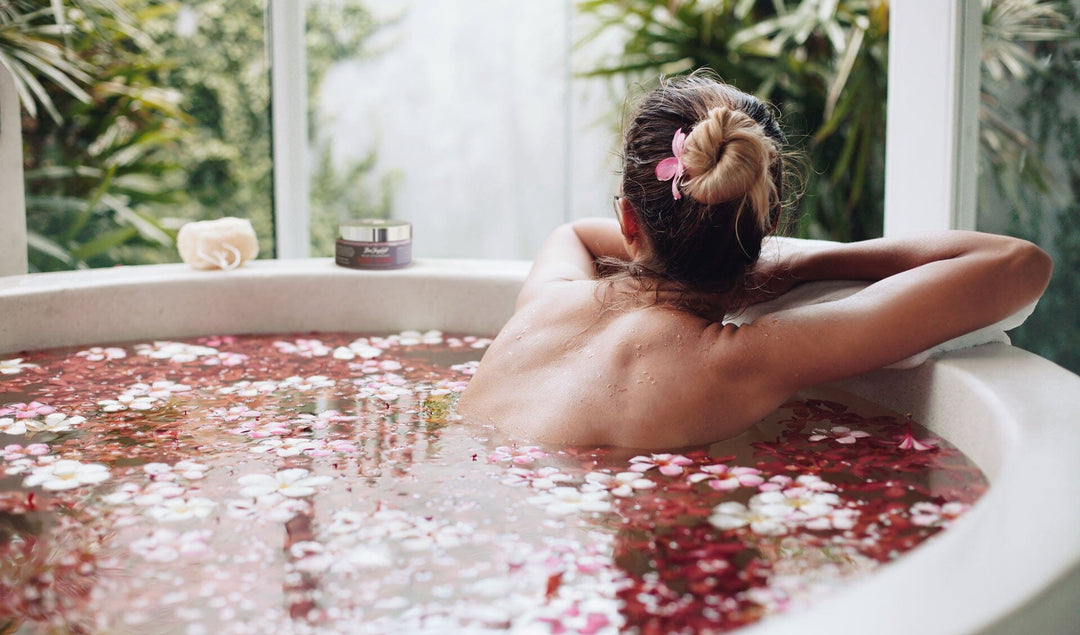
(829, 290)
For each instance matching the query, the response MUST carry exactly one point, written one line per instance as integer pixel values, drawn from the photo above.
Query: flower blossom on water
(141, 396)
(293, 483)
(357, 348)
(840, 434)
(373, 366)
(247, 388)
(561, 501)
(468, 368)
(15, 451)
(99, 354)
(543, 478)
(722, 478)
(176, 509)
(225, 358)
(521, 456)
(26, 410)
(797, 503)
(909, 442)
(55, 422)
(154, 493)
(623, 484)
(296, 382)
(415, 338)
(14, 366)
(309, 447)
(165, 545)
(733, 515)
(66, 474)
(303, 348)
(177, 352)
(668, 464)
(267, 508)
(322, 420)
(189, 470)
(927, 514)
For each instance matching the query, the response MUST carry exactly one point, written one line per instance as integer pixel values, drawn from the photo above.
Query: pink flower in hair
(672, 168)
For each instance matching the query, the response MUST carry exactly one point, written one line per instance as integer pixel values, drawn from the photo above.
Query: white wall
(474, 104)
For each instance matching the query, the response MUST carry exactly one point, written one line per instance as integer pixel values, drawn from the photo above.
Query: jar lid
(375, 230)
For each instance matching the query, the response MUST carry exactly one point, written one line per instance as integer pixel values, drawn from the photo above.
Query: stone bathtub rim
(1012, 562)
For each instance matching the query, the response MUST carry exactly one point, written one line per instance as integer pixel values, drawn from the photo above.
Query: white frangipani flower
(567, 500)
(733, 515)
(293, 483)
(14, 366)
(174, 509)
(66, 474)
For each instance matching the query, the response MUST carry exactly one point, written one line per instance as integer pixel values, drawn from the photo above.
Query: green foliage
(1051, 119)
(95, 177)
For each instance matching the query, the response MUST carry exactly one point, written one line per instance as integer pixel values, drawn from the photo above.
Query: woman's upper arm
(570, 253)
(892, 319)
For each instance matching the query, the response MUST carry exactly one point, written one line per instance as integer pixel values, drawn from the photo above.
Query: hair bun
(728, 156)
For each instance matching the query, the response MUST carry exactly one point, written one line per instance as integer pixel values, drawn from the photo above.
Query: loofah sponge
(225, 243)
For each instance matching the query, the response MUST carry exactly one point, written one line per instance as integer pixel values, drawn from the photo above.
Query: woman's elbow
(1031, 265)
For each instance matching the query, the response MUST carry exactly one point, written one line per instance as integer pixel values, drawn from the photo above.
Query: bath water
(318, 483)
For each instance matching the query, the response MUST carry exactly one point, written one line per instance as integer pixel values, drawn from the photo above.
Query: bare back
(564, 370)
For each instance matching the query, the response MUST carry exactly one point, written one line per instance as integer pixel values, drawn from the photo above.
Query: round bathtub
(1012, 564)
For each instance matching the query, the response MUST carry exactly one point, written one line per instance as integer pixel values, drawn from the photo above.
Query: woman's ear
(628, 222)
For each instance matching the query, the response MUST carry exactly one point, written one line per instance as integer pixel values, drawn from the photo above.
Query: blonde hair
(727, 158)
(704, 242)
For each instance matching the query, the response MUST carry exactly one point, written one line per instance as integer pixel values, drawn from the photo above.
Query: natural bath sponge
(225, 243)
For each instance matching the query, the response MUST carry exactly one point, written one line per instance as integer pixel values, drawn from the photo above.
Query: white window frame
(13, 248)
(933, 117)
(289, 117)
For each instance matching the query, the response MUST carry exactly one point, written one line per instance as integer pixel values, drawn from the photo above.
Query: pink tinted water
(321, 483)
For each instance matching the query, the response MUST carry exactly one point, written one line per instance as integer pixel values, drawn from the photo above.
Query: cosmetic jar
(374, 243)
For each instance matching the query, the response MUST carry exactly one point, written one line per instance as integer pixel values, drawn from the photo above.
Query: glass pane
(168, 123)
(1029, 180)
(459, 116)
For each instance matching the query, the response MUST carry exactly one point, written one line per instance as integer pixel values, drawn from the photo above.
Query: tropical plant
(33, 45)
(1011, 33)
(1050, 120)
(96, 168)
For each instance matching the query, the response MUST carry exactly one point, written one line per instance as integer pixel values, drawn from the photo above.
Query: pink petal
(677, 142)
(593, 623)
(670, 470)
(725, 485)
(667, 169)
